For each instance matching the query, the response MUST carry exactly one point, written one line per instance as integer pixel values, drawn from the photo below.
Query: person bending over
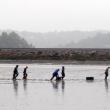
(55, 74)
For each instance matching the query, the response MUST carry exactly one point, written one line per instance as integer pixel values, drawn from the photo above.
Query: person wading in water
(25, 73)
(63, 72)
(106, 72)
(55, 74)
(15, 72)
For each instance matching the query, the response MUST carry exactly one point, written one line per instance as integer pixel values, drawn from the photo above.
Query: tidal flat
(38, 92)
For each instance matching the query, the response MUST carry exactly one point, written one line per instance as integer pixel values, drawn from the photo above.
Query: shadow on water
(58, 85)
(106, 86)
(15, 86)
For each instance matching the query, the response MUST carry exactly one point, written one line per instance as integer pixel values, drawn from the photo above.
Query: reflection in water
(89, 81)
(106, 85)
(15, 85)
(56, 85)
(63, 86)
(25, 84)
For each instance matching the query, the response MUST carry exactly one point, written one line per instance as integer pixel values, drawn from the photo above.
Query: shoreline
(64, 62)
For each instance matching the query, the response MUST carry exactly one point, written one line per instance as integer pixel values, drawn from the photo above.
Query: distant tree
(13, 40)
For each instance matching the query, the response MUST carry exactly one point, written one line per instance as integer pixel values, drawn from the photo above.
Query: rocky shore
(73, 54)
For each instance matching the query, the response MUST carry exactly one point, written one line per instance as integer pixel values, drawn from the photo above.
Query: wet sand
(74, 93)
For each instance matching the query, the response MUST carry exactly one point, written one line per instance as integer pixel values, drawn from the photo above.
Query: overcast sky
(51, 15)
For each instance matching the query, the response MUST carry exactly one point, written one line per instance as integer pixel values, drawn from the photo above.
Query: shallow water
(38, 93)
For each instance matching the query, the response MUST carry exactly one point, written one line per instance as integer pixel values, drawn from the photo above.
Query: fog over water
(59, 23)
(50, 15)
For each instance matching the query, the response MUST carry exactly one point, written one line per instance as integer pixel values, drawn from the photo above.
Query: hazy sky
(51, 15)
